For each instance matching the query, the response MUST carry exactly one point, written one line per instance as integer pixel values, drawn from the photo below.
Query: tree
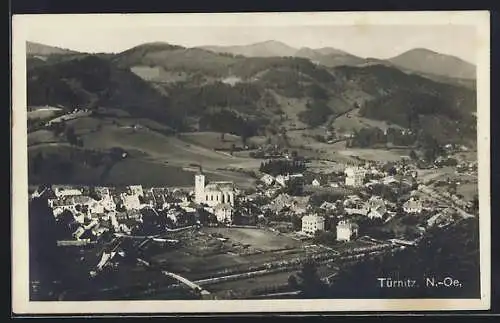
(308, 282)
(456, 252)
(295, 187)
(71, 136)
(203, 216)
(38, 163)
(44, 255)
(296, 223)
(475, 203)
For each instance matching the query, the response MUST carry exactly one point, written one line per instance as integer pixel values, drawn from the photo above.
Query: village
(289, 215)
(304, 203)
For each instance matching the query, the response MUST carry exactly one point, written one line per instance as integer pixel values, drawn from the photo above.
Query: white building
(346, 230)
(62, 192)
(282, 179)
(96, 207)
(312, 223)
(267, 179)
(131, 202)
(214, 193)
(413, 206)
(136, 190)
(354, 176)
(108, 203)
(315, 182)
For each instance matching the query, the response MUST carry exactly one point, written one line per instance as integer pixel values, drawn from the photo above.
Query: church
(213, 193)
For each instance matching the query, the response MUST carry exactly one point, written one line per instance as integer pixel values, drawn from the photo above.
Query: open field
(159, 159)
(445, 173)
(211, 140)
(204, 255)
(260, 239)
(381, 155)
(41, 136)
(246, 288)
(291, 107)
(468, 190)
(159, 146)
(42, 112)
(353, 121)
(72, 116)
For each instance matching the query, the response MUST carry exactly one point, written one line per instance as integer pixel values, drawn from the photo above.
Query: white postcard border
(20, 273)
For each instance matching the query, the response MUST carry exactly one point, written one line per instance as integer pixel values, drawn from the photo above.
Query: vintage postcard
(253, 162)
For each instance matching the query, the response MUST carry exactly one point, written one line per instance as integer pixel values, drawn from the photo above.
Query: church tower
(199, 188)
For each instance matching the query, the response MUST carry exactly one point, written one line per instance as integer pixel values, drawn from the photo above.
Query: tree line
(275, 167)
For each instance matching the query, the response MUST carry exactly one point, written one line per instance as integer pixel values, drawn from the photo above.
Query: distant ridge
(418, 60)
(37, 49)
(428, 61)
(270, 48)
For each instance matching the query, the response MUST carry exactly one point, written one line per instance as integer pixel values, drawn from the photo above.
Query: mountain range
(261, 94)
(417, 60)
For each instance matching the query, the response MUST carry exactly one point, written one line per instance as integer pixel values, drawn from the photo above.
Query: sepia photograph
(251, 162)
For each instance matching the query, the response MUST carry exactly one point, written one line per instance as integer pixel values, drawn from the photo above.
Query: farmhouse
(412, 206)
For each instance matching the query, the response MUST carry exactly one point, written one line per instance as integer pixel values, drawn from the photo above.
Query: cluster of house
(121, 209)
(345, 229)
(358, 177)
(98, 214)
(353, 176)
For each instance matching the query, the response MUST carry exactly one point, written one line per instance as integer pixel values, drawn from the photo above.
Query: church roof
(220, 186)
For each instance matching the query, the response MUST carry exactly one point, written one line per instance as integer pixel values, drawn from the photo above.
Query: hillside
(157, 90)
(437, 253)
(430, 62)
(90, 82)
(37, 49)
(329, 57)
(326, 56)
(445, 111)
(194, 61)
(172, 84)
(423, 62)
(269, 48)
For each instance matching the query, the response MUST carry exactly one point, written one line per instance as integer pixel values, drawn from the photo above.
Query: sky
(365, 40)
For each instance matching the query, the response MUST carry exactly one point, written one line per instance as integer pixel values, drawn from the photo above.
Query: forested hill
(454, 253)
(444, 111)
(90, 82)
(197, 89)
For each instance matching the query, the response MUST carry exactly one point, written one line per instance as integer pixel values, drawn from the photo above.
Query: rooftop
(220, 186)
